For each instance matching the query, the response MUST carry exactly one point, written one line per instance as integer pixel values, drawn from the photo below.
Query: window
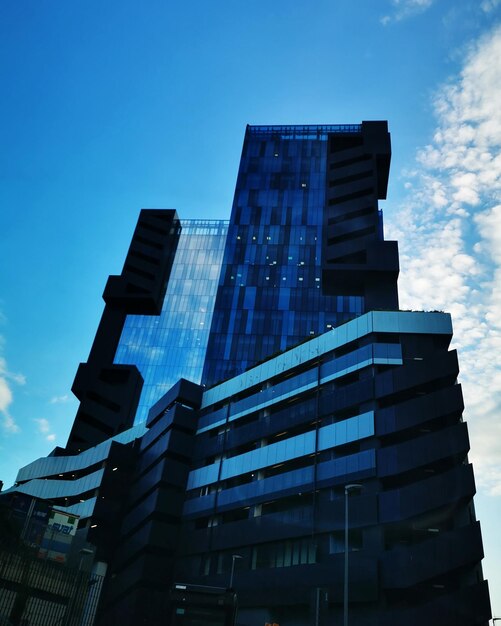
(284, 554)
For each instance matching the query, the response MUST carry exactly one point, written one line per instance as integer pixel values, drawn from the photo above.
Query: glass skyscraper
(270, 295)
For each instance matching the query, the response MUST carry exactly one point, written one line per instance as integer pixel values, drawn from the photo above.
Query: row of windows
(289, 463)
(270, 209)
(279, 554)
(303, 304)
(300, 130)
(264, 487)
(202, 269)
(282, 160)
(306, 142)
(270, 304)
(282, 554)
(282, 207)
(152, 345)
(264, 233)
(334, 366)
(284, 181)
(269, 253)
(256, 275)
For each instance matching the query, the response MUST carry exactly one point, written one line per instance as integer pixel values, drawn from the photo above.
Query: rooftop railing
(303, 132)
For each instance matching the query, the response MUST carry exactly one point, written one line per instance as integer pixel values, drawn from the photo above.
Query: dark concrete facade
(355, 258)
(109, 393)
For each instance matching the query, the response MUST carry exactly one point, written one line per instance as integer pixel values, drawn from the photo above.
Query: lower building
(373, 404)
(246, 481)
(46, 577)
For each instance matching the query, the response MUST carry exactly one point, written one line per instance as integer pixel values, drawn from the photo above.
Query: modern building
(309, 380)
(305, 248)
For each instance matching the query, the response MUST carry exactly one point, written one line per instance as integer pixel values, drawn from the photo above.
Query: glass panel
(275, 239)
(172, 345)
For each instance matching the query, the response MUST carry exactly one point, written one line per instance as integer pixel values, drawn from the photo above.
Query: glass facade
(172, 345)
(270, 293)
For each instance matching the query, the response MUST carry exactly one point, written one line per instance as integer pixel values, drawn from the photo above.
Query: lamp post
(347, 490)
(234, 557)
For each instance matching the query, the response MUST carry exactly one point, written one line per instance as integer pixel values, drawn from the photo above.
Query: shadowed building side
(109, 393)
(355, 258)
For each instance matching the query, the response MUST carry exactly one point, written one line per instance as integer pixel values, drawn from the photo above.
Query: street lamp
(234, 557)
(347, 490)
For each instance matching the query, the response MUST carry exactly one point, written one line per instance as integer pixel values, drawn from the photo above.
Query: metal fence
(36, 592)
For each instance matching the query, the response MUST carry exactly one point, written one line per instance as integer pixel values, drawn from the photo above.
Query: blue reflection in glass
(270, 296)
(172, 345)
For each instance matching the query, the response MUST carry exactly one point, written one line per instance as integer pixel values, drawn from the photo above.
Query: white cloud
(449, 232)
(6, 396)
(44, 428)
(20, 379)
(9, 424)
(43, 424)
(403, 9)
(489, 5)
(60, 399)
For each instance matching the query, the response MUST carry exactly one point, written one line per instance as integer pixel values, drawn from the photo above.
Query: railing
(43, 593)
(304, 132)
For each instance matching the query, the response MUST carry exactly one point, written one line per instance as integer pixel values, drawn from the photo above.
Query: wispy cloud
(449, 232)
(20, 379)
(489, 5)
(43, 424)
(403, 9)
(8, 423)
(60, 399)
(44, 428)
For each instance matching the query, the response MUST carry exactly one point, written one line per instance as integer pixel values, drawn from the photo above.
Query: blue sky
(108, 107)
